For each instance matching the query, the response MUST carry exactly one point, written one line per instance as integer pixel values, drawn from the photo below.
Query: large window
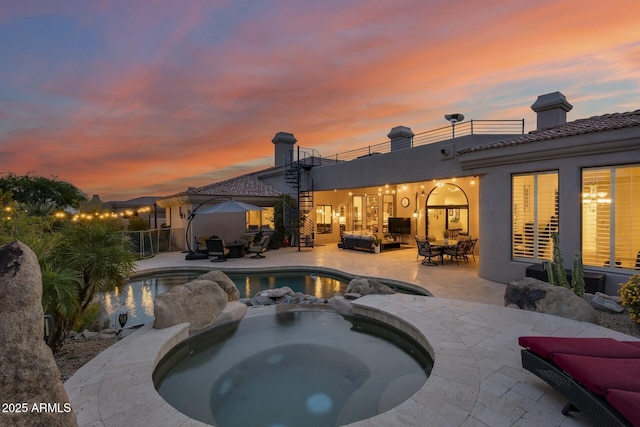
(324, 219)
(260, 220)
(610, 220)
(534, 200)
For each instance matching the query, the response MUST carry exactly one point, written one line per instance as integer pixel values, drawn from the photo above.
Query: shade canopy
(228, 206)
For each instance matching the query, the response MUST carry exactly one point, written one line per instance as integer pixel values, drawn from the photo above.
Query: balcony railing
(471, 127)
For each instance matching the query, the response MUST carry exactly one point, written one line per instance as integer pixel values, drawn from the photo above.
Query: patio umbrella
(228, 206)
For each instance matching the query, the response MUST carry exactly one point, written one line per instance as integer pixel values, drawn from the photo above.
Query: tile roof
(138, 201)
(244, 185)
(594, 124)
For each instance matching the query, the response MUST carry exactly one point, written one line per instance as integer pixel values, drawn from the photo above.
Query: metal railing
(471, 127)
(148, 243)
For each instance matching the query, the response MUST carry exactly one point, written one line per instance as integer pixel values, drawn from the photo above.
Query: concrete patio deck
(477, 378)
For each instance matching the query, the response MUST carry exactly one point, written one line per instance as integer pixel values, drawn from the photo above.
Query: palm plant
(60, 299)
(99, 253)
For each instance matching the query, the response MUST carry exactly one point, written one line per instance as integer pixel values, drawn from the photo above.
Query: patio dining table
(441, 244)
(236, 250)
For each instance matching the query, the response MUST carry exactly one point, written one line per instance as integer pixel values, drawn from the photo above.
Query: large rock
(368, 286)
(542, 297)
(198, 303)
(224, 282)
(28, 372)
(605, 304)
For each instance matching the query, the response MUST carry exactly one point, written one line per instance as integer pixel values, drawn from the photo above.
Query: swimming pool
(290, 366)
(138, 295)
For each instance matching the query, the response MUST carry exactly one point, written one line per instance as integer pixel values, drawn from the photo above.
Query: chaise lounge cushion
(626, 402)
(548, 347)
(599, 374)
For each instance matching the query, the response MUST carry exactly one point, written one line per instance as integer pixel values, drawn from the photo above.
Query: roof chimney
(283, 142)
(551, 109)
(401, 137)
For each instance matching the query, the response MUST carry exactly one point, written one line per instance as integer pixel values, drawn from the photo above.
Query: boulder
(233, 312)
(368, 286)
(613, 298)
(542, 297)
(341, 305)
(227, 285)
(198, 303)
(284, 295)
(29, 375)
(605, 304)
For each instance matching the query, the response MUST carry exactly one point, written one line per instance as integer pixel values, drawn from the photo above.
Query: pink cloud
(179, 93)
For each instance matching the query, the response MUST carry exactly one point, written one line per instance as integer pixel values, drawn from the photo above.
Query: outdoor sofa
(357, 240)
(599, 376)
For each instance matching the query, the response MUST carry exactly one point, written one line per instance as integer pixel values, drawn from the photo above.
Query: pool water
(138, 295)
(293, 366)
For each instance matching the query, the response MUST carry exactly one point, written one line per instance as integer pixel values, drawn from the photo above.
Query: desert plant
(90, 318)
(95, 258)
(630, 296)
(577, 274)
(60, 299)
(99, 252)
(550, 269)
(558, 263)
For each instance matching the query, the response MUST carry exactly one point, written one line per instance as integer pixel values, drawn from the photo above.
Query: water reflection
(137, 296)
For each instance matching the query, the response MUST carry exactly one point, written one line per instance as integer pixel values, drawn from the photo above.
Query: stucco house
(483, 179)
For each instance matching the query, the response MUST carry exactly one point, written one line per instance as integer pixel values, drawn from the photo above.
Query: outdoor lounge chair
(599, 376)
(216, 249)
(201, 245)
(259, 248)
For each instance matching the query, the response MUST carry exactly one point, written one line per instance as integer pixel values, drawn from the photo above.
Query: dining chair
(457, 251)
(470, 249)
(428, 252)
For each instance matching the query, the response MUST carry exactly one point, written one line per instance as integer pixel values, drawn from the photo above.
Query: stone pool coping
(477, 377)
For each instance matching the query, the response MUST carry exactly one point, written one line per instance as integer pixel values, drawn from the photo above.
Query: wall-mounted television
(400, 225)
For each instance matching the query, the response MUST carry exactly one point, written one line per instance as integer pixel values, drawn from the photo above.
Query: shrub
(630, 296)
(89, 318)
(138, 224)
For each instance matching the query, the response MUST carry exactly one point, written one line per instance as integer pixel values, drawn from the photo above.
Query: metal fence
(148, 243)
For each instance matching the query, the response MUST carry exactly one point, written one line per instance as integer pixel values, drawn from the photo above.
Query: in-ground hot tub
(292, 365)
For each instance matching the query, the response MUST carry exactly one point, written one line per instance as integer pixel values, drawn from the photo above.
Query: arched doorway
(447, 209)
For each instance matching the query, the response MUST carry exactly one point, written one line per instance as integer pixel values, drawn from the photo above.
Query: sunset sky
(133, 98)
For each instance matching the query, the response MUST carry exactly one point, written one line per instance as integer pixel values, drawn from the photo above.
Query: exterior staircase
(297, 175)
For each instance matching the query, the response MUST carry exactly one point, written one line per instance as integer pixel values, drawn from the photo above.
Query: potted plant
(446, 237)
(376, 243)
